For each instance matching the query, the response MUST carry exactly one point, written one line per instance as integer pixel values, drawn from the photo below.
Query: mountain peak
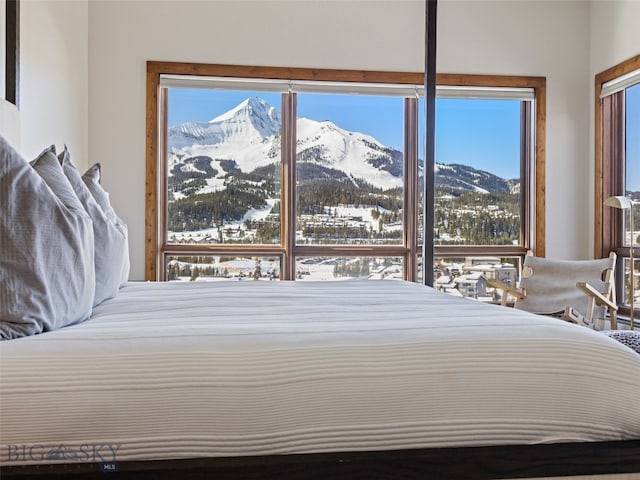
(251, 104)
(252, 112)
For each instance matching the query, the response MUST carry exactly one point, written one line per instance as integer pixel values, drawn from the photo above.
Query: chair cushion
(551, 285)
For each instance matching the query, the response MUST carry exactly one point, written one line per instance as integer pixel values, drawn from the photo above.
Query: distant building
(445, 283)
(504, 272)
(472, 285)
(472, 261)
(469, 279)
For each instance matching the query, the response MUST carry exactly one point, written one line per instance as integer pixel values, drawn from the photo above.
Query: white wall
(615, 33)
(492, 37)
(542, 38)
(10, 124)
(53, 77)
(359, 35)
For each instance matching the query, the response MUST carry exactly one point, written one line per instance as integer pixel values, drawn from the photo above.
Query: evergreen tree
(257, 271)
(195, 273)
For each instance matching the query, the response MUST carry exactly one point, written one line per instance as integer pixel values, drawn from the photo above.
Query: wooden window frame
(12, 54)
(532, 218)
(156, 176)
(610, 169)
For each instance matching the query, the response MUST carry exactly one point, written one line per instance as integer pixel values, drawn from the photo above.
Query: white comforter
(176, 370)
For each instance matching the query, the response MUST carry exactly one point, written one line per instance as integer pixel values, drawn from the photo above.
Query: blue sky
(633, 138)
(484, 134)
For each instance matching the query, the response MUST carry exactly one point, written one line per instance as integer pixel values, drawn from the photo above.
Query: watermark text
(87, 452)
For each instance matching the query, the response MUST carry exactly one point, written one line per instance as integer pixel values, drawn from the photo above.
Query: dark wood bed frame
(467, 463)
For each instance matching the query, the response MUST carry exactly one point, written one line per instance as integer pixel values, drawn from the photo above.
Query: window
(478, 172)
(223, 171)
(11, 53)
(617, 164)
(484, 171)
(349, 183)
(269, 173)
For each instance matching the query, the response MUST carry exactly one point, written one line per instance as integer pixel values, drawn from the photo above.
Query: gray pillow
(91, 179)
(111, 238)
(47, 276)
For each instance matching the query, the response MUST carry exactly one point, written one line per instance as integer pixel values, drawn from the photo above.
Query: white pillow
(111, 238)
(47, 276)
(91, 179)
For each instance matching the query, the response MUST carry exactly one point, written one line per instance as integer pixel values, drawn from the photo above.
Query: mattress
(185, 370)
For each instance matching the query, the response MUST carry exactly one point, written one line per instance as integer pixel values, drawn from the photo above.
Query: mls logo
(109, 467)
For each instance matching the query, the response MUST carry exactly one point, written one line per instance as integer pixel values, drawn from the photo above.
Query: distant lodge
(471, 280)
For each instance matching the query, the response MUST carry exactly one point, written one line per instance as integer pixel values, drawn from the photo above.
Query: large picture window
(618, 171)
(267, 173)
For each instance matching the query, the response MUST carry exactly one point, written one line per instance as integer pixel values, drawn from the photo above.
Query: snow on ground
(213, 185)
(307, 269)
(354, 215)
(260, 213)
(347, 211)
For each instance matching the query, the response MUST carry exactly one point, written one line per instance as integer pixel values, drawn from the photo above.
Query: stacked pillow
(110, 233)
(50, 274)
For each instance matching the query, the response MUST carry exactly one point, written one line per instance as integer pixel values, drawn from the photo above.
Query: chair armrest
(507, 289)
(600, 299)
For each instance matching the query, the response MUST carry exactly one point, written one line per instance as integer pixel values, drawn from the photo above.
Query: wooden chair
(579, 291)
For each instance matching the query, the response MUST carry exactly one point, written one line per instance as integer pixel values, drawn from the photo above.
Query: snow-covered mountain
(247, 138)
(358, 155)
(464, 177)
(252, 120)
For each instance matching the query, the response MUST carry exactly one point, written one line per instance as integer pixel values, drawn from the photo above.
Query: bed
(316, 379)
(284, 380)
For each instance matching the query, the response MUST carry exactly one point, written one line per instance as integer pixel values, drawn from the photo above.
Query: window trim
(609, 173)
(610, 169)
(156, 178)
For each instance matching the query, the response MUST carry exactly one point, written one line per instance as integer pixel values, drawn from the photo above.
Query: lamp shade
(618, 201)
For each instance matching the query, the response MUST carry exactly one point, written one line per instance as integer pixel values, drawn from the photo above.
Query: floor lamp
(625, 203)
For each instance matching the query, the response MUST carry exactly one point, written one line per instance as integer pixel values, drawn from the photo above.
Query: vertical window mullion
(411, 188)
(288, 185)
(162, 180)
(612, 151)
(526, 187)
